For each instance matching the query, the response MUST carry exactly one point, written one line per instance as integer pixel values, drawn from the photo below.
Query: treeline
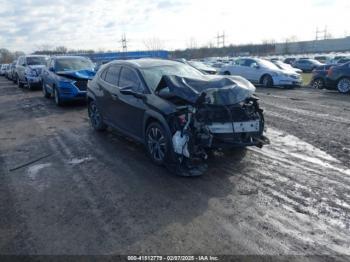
(7, 57)
(232, 50)
(60, 50)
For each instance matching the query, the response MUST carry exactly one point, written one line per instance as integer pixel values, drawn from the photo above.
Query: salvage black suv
(177, 112)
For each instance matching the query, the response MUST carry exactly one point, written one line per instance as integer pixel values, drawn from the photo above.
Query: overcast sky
(99, 24)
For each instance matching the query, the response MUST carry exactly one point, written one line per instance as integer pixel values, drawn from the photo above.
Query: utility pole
(220, 40)
(320, 33)
(124, 43)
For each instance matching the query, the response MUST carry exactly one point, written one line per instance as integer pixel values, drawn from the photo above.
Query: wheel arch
(153, 116)
(262, 77)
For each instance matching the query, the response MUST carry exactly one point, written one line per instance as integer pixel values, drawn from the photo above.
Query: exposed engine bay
(218, 113)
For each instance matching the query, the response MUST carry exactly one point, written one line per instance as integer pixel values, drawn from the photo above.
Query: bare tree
(43, 48)
(61, 49)
(192, 43)
(153, 44)
(6, 56)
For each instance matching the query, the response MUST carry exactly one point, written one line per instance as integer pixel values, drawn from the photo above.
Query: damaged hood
(81, 74)
(215, 90)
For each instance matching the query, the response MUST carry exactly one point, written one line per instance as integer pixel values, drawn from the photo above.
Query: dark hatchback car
(338, 78)
(307, 65)
(289, 60)
(319, 74)
(65, 78)
(177, 112)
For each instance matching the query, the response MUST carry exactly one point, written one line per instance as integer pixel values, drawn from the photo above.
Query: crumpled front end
(223, 114)
(73, 84)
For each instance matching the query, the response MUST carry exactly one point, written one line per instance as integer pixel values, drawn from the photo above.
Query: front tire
(96, 119)
(29, 86)
(267, 81)
(58, 100)
(19, 84)
(157, 143)
(46, 94)
(343, 85)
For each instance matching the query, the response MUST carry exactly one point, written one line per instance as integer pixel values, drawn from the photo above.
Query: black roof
(146, 62)
(69, 57)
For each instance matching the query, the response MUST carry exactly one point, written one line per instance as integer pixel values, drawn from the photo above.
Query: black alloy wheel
(318, 83)
(96, 119)
(157, 143)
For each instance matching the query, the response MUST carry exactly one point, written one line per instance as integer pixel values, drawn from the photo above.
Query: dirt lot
(99, 194)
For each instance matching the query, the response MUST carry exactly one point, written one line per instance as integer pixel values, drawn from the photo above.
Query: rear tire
(343, 85)
(318, 83)
(96, 119)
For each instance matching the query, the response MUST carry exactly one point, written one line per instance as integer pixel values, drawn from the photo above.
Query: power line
(220, 40)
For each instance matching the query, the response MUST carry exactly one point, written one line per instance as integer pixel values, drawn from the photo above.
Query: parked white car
(3, 69)
(262, 72)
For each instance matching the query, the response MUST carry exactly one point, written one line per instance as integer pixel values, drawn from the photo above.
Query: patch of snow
(78, 161)
(35, 169)
(285, 146)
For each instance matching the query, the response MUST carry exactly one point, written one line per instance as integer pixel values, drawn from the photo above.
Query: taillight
(182, 119)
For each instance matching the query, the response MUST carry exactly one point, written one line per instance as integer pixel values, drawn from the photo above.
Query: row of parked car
(175, 110)
(63, 77)
(275, 72)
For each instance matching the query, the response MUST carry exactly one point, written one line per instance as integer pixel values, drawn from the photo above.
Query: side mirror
(51, 69)
(256, 66)
(23, 64)
(128, 91)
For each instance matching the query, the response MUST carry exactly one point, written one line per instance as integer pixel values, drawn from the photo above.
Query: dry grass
(306, 78)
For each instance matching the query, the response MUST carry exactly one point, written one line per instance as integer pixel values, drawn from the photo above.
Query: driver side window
(111, 75)
(129, 78)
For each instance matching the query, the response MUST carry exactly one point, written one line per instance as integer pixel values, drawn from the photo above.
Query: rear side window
(111, 75)
(129, 78)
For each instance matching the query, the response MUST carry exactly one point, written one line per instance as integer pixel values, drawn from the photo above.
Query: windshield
(73, 64)
(36, 60)
(283, 65)
(267, 64)
(153, 75)
(198, 65)
(315, 61)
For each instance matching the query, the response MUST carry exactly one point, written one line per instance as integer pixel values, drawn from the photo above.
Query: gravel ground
(99, 194)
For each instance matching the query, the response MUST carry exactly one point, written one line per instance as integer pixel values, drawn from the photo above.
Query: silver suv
(28, 70)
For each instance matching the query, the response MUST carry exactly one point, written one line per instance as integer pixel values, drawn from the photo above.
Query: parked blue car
(65, 78)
